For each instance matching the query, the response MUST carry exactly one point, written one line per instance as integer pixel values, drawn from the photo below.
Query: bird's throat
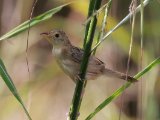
(57, 52)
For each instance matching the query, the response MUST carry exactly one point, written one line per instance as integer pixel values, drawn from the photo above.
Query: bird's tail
(115, 74)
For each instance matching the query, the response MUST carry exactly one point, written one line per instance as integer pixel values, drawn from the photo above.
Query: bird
(69, 58)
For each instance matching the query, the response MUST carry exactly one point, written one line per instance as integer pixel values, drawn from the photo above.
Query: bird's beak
(45, 33)
(47, 36)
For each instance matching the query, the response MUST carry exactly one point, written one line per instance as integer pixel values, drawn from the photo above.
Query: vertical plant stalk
(27, 43)
(81, 82)
(140, 96)
(90, 12)
(132, 10)
(104, 22)
(95, 14)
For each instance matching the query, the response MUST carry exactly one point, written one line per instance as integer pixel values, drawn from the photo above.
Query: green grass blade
(122, 89)
(7, 79)
(22, 27)
(104, 23)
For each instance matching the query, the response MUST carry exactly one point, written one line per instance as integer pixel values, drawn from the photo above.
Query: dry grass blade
(120, 23)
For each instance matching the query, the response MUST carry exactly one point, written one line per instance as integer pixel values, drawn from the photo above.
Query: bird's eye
(56, 35)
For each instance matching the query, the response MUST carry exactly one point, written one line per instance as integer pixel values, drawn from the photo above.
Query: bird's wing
(95, 65)
(76, 54)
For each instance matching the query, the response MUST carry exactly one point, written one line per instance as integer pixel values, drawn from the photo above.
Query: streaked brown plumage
(70, 57)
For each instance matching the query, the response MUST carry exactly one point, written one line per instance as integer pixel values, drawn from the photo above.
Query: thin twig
(28, 33)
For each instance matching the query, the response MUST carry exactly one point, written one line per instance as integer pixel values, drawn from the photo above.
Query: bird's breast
(64, 61)
(68, 67)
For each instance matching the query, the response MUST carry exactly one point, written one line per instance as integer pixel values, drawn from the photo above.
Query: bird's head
(56, 38)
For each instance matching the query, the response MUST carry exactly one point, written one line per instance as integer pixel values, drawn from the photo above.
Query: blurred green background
(48, 92)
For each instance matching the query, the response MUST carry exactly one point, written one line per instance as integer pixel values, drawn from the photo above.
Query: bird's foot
(131, 79)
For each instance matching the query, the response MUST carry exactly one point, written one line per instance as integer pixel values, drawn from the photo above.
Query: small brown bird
(70, 57)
